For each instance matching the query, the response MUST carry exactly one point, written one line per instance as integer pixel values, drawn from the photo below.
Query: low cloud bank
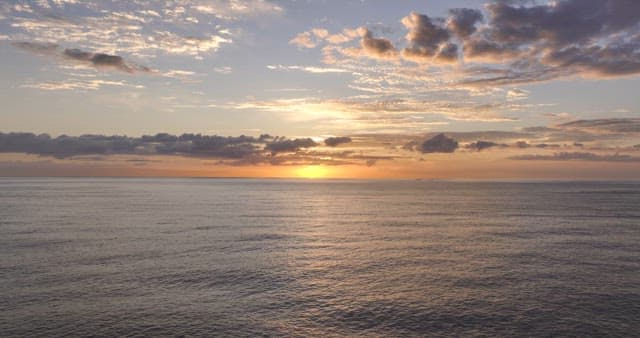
(160, 144)
(232, 150)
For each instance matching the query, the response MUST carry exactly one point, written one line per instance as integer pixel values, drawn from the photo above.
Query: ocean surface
(217, 257)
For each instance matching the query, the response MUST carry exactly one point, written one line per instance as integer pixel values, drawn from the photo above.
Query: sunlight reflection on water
(271, 257)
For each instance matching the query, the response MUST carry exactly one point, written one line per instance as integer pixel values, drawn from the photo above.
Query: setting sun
(312, 171)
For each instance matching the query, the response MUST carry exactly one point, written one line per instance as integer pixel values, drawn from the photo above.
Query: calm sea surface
(212, 257)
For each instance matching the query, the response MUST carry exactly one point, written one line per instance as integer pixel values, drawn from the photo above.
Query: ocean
(248, 257)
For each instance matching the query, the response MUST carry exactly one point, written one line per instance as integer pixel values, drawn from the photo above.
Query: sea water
(248, 257)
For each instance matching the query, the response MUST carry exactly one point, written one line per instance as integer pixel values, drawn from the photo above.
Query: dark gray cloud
(484, 48)
(439, 144)
(98, 60)
(569, 21)
(283, 146)
(605, 61)
(525, 41)
(101, 60)
(578, 156)
(482, 145)
(560, 38)
(238, 150)
(462, 21)
(187, 144)
(517, 42)
(334, 141)
(377, 47)
(448, 52)
(426, 39)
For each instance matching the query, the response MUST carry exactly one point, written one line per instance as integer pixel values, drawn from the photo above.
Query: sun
(312, 171)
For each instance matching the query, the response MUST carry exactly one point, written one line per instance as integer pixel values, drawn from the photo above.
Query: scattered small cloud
(335, 141)
(97, 60)
(439, 144)
(517, 94)
(482, 145)
(223, 70)
(304, 40)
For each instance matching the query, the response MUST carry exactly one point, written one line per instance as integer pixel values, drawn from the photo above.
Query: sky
(463, 89)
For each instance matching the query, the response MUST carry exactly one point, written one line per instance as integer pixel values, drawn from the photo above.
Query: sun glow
(312, 171)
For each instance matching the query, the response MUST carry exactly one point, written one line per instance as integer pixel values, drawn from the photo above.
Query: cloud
(223, 70)
(238, 150)
(578, 156)
(98, 60)
(462, 21)
(335, 141)
(316, 36)
(518, 42)
(74, 84)
(136, 29)
(186, 144)
(482, 145)
(611, 125)
(560, 23)
(309, 69)
(101, 60)
(361, 113)
(591, 37)
(439, 144)
(347, 34)
(517, 94)
(304, 40)
(321, 33)
(480, 49)
(234, 10)
(280, 146)
(377, 48)
(597, 60)
(40, 48)
(587, 140)
(426, 40)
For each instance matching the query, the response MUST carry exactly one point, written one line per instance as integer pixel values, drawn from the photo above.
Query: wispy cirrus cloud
(578, 156)
(78, 85)
(139, 29)
(373, 113)
(309, 69)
